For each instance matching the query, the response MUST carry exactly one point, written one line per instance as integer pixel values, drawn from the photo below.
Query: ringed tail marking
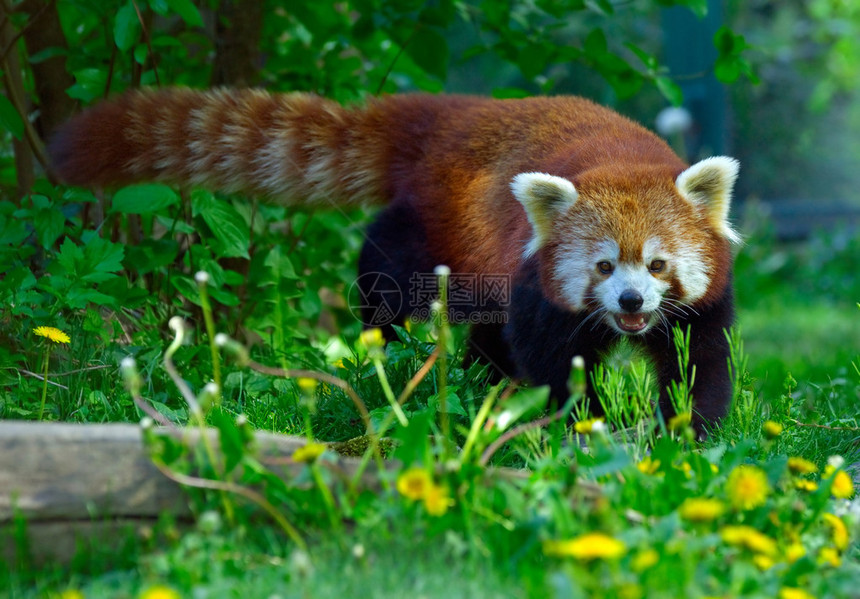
(294, 147)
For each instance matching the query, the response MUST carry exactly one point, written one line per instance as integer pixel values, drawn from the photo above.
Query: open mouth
(632, 323)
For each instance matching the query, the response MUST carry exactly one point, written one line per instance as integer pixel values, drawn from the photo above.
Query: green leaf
(534, 58)
(10, 120)
(453, 404)
(49, 52)
(69, 255)
(232, 443)
(595, 44)
(186, 10)
(698, 7)
(282, 267)
(89, 84)
(524, 402)
(429, 50)
(649, 60)
(49, 226)
(727, 69)
(413, 440)
(151, 254)
(102, 258)
(145, 198)
(13, 232)
(126, 28)
(670, 90)
(231, 231)
(186, 288)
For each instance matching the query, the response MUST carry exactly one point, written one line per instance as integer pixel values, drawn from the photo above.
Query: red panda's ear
(544, 197)
(709, 184)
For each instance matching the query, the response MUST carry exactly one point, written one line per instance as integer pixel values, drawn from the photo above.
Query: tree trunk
(238, 28)
(49, 76)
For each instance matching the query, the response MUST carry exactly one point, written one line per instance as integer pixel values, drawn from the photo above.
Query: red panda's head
(631, 246)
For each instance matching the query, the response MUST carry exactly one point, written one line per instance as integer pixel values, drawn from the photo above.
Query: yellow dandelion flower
(749, 538)
(701, 509)
(804, 484)
(829, 556)
(53, 334)
(160, 592)
(680, 421)
(414, 483)
(648, 465)
(585, 427)
(747, 487)
(436, 500)
(801, 466)
(685, 468)
(838, 530)
(763, 562)
(771, 429)
(587, 547)
(70, 594)
(794, 593)
(794, 552)
(371, 338)
(308, 452)
(843, 486)
(307, 384)
(644, 560)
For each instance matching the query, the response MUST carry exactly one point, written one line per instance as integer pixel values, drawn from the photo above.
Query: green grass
(489, 543)
(492, 539)
(814, 342)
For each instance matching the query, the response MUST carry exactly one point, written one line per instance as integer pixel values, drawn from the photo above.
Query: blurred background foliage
(769, 82)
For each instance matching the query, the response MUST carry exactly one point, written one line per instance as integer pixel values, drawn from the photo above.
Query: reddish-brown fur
(445, 165)
(452, 156)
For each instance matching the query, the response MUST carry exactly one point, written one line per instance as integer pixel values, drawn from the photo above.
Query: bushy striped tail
(290, 147)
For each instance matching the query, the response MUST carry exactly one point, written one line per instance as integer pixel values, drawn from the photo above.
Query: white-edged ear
(544, 197)
(709, 183)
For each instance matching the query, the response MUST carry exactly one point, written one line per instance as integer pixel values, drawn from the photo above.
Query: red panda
(600, 226)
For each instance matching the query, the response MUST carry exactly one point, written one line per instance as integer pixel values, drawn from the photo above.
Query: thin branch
(148, 40)
(396, 58)
(69, 372)
(518, 430)
(322, 377)
(7, 10)
(15, 95)
(418, 376)
(217, 485)
(41, 377)
(157, 416)
(825, 427)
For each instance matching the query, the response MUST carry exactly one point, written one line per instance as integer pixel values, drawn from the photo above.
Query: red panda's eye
(605, 267)
(657, 265)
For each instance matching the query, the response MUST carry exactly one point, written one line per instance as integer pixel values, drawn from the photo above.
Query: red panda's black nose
(630, 300)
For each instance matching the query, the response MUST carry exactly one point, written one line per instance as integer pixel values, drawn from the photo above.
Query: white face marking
(577, 272)
(575, 269)
(633, 277)
(691, 271)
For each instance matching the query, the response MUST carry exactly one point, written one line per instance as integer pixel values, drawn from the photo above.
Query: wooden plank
(81, 483)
